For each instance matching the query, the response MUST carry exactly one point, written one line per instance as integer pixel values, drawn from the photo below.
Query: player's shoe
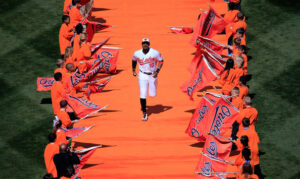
(145, 117)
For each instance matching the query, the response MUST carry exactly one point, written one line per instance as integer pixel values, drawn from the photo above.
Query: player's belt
(147, 73)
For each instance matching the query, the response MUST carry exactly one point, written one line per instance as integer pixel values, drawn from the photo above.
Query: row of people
(75, 51)
(233, 81)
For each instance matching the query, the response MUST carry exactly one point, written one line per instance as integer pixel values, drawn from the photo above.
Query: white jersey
(147, 62)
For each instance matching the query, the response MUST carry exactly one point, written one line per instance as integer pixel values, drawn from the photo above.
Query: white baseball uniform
(147, 64)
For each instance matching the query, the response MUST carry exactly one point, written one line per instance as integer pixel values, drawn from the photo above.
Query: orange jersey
(230, 16)
(60, 70)
(250, 113)
(223, 77)
(232, 80)
(75, 16)
(76, 45)
(69, 60)
(65, 119)
(67, 6)
(84, 52)
(58, 93)
(238, 102)
(239, 24)
(61, 138)
(235, 75)
(67, 84)
(243, 91)
(65, 35)
(50, 150)
(253, 142)
(239, 162)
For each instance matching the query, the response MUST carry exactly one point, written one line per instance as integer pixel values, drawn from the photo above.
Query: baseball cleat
(145, 117)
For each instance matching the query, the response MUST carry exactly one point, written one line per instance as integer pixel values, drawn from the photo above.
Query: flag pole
(92, 113)
(82, 132)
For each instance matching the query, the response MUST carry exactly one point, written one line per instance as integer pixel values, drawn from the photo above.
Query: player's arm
(134, 63)
(160, 63)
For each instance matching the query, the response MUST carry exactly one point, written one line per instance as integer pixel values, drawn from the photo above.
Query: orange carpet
(158, 148)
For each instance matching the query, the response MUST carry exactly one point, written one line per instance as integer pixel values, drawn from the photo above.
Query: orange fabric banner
(44, 83)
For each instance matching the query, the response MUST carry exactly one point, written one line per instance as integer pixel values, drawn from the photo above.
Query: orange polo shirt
(49, 152)
(60, 70)
(76, 45)
(238, 102)
(84, 52)
(64, 117)
(239, 24)
(75, 16)
(58, 93)
(253, 142)
(230, 16)
(61, 138)
(65, 35)
(248, 112)
(243, 91)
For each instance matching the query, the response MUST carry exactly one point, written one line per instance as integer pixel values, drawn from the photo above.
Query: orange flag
(209, 24)
(110, 56)
(198, 122)
(44, 83)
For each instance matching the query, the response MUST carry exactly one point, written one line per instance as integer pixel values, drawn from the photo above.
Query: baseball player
(150, 63)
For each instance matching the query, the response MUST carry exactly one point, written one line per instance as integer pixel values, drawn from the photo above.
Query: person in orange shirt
(75, 15)
(229, 66)
(233, 78)
(84, 52)
(233, 46)
(61, 137)
(240, 33)
(51, 149)
(230, 16)
(66, 32)
(67, 6)
(247, 172)
(63, 115)
(67, 83)
(242, 52)
(60, 67)
(235, 99)
(58, 92)
(253, 139)
(69, 57)
(78, 31)
(248, 112)
(244, 90)
(240, 23)
(243, 157)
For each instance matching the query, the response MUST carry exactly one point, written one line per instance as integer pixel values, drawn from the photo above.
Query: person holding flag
(58, 92)
(75, 15)
(51, 149)
(66, 32)
(150, 64)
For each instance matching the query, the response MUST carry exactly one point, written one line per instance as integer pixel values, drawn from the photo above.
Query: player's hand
(155, 74)
(134, 73)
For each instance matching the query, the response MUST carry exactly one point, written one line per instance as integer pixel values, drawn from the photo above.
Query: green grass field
(29, 48)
